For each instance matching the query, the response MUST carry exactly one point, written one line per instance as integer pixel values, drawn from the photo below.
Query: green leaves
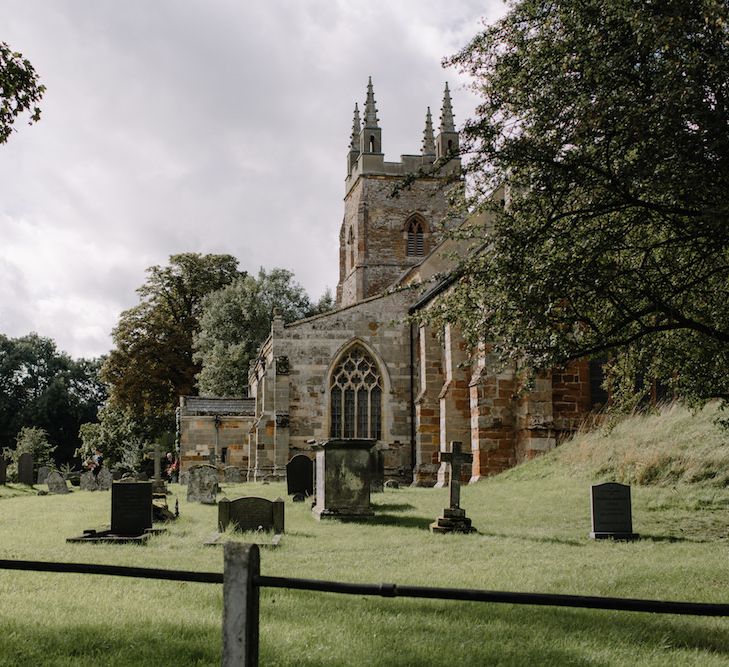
(19, 90)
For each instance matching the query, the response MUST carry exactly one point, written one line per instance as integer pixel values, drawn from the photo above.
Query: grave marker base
(454, 520)
(614, 536)
(107, 537)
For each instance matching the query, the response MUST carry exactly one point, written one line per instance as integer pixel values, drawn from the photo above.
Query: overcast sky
(211, 126)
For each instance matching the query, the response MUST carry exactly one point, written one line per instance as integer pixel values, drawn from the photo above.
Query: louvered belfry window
(356, 396)
(416, 238)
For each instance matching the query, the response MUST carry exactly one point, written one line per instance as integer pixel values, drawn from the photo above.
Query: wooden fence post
(240, 605)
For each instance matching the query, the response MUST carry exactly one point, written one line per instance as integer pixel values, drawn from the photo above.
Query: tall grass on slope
(672, 446)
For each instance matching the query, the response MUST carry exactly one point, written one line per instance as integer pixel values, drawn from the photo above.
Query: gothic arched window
(356, 396)
(416, 238)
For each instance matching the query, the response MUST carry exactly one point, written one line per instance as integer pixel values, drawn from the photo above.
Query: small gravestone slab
(25, 469)
(43, 472)
(300, 476)
(232, 475)
(611, 512)
(251, 513)
(3, 471)
(104, 479)
(202, 484)
(392, 484)
(131, 507)
(56, 483)
(88, 481)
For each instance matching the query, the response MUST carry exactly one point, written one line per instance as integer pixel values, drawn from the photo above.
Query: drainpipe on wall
(412, 399)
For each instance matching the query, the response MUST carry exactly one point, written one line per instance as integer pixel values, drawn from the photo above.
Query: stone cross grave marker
(300, 476)
(3, 471)
(251, 513)
(611, 512)
(454, 519)
(25, 469)
(56, 483)
(131, 507)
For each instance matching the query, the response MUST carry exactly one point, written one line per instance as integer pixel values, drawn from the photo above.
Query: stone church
(366, 369)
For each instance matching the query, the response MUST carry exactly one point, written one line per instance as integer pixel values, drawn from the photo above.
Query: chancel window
(356, 396)
(416, 238)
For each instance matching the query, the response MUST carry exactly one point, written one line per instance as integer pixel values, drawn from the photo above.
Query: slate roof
(206, 405)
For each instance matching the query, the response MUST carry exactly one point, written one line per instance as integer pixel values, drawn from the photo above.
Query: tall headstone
(56, 483)
(251, 513)
(343, 479)
(25, 469)
(300, 476)
(131, 507)
(454, 519)
(3, 471)
(611, 512)
(202, 484)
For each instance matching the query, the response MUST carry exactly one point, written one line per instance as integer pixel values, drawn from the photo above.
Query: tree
(609, 123)
(19, 90)
(45, 388)
(151, 364)
(119, 437)
(237, 319)
(30, 440)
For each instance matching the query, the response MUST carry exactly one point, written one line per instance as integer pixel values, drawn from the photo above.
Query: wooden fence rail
(242, 581)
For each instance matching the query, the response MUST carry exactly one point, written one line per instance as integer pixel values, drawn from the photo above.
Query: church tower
(386, 228)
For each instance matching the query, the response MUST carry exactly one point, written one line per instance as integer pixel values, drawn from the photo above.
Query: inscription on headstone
(611, 512)
(202, 484)
(56, 482)
(251, 513)
(131, 507)
(300, 476)
(25, 469)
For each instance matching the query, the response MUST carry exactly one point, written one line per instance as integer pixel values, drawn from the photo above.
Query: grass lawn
(532, 524)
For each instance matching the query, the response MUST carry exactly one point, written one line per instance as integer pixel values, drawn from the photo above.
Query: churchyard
(532, 535)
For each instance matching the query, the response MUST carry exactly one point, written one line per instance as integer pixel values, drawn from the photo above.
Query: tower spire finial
(428, 138)
(370, 110)
(356, 129)
(446, 114)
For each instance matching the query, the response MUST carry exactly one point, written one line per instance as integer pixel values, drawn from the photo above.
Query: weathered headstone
(88, 481)
(251, 513)
(104, 479)
(56, 483)
(202, 484)
(300, 476)
(343, 479)
(25, 469)
(131, 507)
(392, 484)
(377, 470)
(43, 472)
(3, 471)
(454, 519)
(232, 475)
(611, 512)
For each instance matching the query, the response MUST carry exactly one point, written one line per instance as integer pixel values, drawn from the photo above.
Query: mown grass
(533, 526)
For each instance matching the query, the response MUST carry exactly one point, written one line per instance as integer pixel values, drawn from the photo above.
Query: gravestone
(88, 481)
(392, 484)
(377, 471)
(300, 476)
(611, 512)
(251, 513)
(43, 472)
(343, 479)
(3, 471)
(202, 484)
(131, 507)
(454, 519)
(56, 483)
(104, 479)
(232, 475)
(25, 469)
